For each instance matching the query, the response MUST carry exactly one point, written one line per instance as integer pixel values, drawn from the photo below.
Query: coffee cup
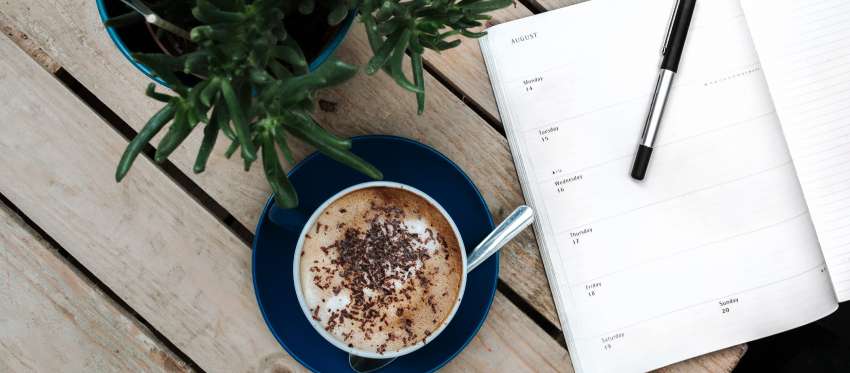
(319, 275)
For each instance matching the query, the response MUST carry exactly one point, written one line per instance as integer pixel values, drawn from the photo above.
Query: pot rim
(326, 52)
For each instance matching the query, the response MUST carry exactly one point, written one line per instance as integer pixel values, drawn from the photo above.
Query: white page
(804, 47)
(716, 247)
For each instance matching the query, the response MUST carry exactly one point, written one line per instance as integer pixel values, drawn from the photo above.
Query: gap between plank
(227, 219)
(455, 90)
(548, 327)
(111, 295)
(534, 7)
(129, 133)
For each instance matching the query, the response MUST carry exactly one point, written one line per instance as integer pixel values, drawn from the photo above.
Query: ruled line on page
(803, 48)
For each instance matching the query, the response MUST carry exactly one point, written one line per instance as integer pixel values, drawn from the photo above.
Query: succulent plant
(255, 86)
(397, 27)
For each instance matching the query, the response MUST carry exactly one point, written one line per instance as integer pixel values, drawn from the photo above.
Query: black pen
(671, 53)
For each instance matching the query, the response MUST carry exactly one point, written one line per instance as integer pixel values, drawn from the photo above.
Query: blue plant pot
(326, 52)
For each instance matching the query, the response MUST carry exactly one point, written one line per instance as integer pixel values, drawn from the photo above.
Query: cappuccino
(381, 269)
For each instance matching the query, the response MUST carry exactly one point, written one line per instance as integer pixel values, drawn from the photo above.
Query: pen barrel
(678, 33)
(656, 107)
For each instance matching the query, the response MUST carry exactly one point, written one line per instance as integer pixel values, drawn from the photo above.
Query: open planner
(742, 226)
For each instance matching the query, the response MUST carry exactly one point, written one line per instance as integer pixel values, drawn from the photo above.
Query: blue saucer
(316, 179)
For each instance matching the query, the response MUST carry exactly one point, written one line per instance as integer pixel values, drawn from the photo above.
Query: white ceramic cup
(296, 272)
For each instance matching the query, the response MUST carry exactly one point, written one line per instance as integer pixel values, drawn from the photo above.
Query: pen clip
(670, 27)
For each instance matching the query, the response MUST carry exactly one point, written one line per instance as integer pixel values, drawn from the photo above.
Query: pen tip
(641, 162)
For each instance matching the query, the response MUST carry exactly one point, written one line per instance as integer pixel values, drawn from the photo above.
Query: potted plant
(247, 70)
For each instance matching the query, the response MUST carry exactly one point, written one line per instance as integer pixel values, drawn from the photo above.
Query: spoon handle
(504, 232)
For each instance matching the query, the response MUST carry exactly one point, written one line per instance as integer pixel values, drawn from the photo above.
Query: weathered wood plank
(366, 105)
(464, 66)
(28, 45)
(157, 249)
(71, 32)
(52, 319)
(146, 239)
(528, 351)
(719, 361)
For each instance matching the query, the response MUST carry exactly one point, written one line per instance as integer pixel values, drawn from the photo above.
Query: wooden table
(153, 274)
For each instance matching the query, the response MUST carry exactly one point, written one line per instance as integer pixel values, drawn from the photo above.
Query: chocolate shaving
(380, 266)
(316, 314)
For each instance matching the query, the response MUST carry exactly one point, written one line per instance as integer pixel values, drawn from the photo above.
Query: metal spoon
(366, 365)
(509, 228)
(153, 18)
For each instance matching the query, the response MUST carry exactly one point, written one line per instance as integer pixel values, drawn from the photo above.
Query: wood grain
(52, 319)
(464, 66)
(153, 245)
(32, 48)
(156, 248)
(527, 350)
(70, 31)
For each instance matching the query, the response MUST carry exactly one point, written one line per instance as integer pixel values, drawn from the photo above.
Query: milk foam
(412, 301)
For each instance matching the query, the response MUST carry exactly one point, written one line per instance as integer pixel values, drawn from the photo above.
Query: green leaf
(151, 128)
(231, 149)
(208, 94)
(331, 73)
(223, 119)
(415, 46)
(389, 27)
(418, 79)
(465, 23)
(260, 77)
(290, 55)
(387, 9)
(345, 157)
(306, 125)
(337, 14)
(220, 33)
(442, 45)
(239, 120)
(486, 6)
(382, 56)
(196, 63)
(279, 71)
(280, 138)
(152, 93)
(160, 61)
(208, 13)
(395, 64)
(375, 40)
(163, 66)
(126, 19)
(291, 91)
(284, 193)
(208, 143)
(178, 132)
(474, 35)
